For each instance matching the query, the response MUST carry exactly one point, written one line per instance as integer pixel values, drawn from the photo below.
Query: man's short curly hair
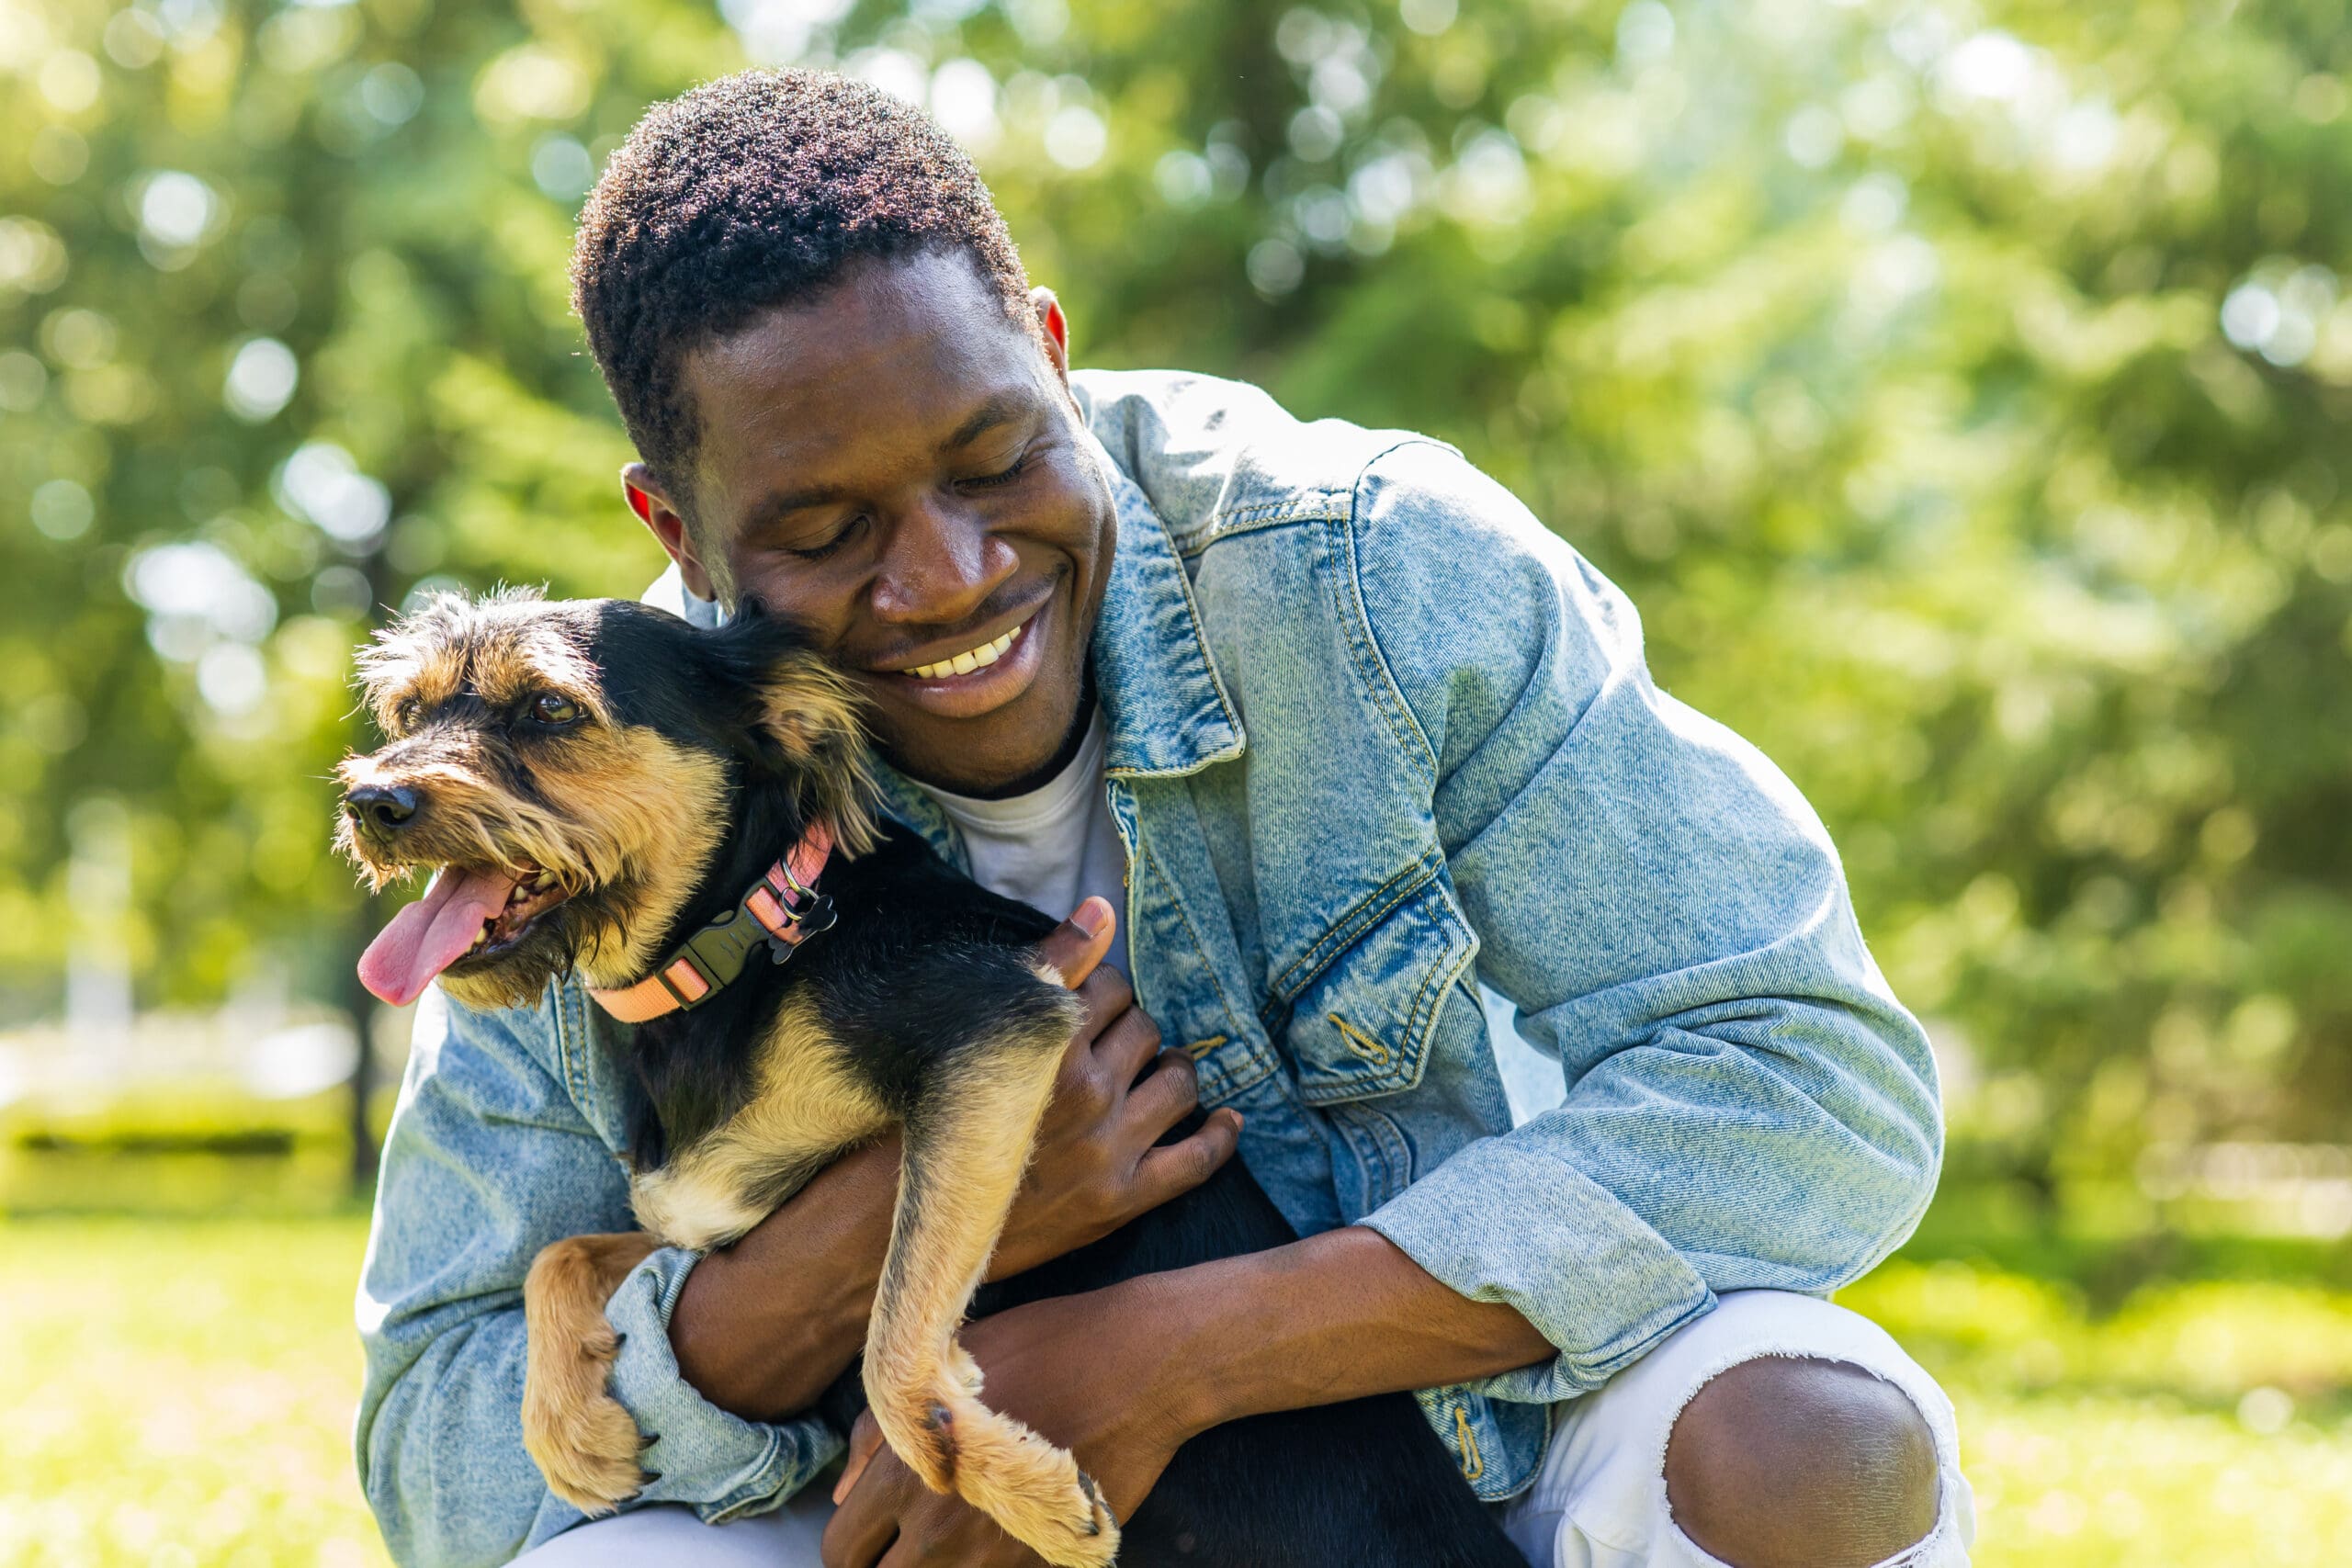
(748, 193)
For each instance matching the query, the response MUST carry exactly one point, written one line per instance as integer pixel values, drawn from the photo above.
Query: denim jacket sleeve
(489, 1158)
(1747, 1104)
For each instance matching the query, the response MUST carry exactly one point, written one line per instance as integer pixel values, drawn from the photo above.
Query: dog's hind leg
(965, 1146)
(581, 1438)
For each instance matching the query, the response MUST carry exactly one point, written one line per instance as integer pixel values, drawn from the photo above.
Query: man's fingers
(1125, 1046)
(1106, 995)
(1168, 1095)
(866, 1522)
(1077, 945)
(1180, 1167)
(865, 1442)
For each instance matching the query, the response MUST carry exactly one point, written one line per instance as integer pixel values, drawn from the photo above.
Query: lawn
(179, 1394)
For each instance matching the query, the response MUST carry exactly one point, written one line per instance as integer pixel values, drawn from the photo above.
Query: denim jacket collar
(1167, 708)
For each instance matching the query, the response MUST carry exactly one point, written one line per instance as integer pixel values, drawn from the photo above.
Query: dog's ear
(803, 719)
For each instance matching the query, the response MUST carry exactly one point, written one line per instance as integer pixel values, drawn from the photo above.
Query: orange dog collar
(781, 910)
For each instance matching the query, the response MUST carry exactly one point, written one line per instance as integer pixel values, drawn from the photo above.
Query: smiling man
(1340, 733)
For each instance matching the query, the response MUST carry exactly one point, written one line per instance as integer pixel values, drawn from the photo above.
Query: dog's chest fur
(806, 1105)
(748, 1094)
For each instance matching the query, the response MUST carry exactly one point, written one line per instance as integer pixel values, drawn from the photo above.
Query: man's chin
(1016, 742)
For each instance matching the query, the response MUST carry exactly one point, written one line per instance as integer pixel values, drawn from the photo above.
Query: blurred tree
(1960, 387)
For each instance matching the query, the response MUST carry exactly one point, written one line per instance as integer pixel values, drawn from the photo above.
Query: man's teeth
(966, 662)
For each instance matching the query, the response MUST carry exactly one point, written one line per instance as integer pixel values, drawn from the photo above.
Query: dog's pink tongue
(432, 933)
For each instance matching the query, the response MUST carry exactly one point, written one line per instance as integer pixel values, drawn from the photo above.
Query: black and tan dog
(674, 814)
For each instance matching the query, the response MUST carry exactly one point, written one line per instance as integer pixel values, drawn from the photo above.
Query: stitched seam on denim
(1379, 660)
(1362, 1045)
(1413, 1065)
(1396, 1153)
(1208, 664)
(1234, 1082)
(1190, 930)
(1248, 520)
(1524, 1482)
(570, 1050)
(1371, 673)
(764, 1481)
(1371, 1160)
(1434, 984)
(1291, 984)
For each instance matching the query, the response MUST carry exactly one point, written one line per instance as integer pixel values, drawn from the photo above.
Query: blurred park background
(1960, 388)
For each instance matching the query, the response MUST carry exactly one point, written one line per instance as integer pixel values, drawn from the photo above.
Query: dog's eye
(405, 713)
(554, 707)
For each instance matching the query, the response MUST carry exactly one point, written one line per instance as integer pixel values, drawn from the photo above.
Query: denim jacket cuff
(1509, 1220)
(724, 1466)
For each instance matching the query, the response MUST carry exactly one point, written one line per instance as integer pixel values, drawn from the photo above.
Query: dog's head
(568, 771)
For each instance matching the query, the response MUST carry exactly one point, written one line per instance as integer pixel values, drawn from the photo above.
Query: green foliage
(1957, 387)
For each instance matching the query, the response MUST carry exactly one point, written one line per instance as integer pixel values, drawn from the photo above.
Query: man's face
(898, 465)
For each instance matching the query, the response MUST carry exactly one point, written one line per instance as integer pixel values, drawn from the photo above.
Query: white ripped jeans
(1600, 1501)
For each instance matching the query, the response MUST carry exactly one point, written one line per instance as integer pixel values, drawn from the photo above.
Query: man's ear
(1056, 329)
(803, 720)
(651, 502)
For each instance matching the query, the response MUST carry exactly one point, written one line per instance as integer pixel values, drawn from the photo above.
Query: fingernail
(1091, 917)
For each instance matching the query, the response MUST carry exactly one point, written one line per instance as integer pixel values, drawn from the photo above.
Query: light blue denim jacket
(1375, 737)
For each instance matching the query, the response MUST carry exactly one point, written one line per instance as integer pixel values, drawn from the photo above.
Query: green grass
(179, 1392)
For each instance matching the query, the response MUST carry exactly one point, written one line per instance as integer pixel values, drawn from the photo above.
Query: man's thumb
(1073, 948)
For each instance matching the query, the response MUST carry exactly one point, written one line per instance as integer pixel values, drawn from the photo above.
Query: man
(1329, 730)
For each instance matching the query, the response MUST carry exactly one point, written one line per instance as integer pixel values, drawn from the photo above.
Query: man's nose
(943, 563)
(380, 810)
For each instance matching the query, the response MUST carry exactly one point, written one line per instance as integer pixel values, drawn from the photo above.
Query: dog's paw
(583, 1439)
(1037, 1492)
(1074, 1529)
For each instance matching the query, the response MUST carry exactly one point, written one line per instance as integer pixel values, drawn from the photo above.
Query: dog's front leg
(966, 1148)
(581, 1438)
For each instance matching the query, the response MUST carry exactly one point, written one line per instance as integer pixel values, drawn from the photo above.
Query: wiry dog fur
(647, 774)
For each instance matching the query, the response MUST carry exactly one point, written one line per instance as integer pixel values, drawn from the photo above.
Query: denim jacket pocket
(1364, 1026)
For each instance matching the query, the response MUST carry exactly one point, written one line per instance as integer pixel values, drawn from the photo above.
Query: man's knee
(1786, 1462)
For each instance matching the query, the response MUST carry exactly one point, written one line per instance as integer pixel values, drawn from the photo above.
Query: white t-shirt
(1053, 846)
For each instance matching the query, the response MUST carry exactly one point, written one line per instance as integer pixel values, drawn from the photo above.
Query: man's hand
(1095, 1166)
(1101, 1406)
(764, 1327)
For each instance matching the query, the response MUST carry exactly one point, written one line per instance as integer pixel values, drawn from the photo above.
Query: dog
(685, 820)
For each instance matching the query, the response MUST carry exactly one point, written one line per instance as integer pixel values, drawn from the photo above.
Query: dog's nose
(380, 808)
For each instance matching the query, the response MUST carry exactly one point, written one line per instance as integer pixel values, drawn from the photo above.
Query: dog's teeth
(545, 880)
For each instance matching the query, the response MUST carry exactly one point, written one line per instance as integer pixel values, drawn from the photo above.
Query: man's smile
(978, 677)
(971, 658)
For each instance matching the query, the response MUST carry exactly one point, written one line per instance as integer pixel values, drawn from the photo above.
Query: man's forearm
(1336, 1316)
(764, 1327)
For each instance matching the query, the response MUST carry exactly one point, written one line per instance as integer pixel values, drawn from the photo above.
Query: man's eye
(554, 707)
(1001, 477)
(824, 547)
